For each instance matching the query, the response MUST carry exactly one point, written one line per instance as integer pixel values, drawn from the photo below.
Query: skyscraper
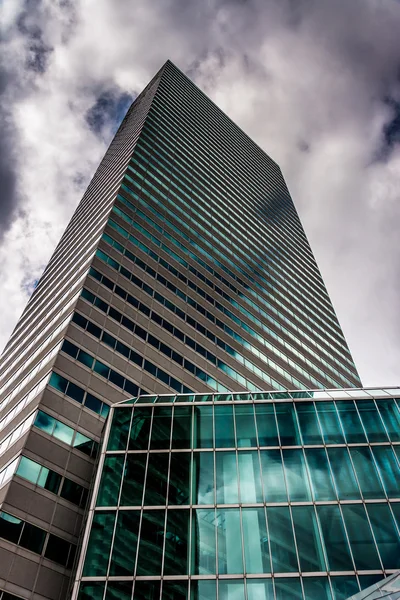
(185, 269)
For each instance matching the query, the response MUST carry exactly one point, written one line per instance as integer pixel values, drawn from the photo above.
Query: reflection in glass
(344, 586)
(179, 479)
(245, 426)
(230, 558)
(125, 543)
(317, 588)
(224, 430)
(156, 480)
(288, 589)
(203, 590)
(203, 542)
(203, 478)
(272, 474)
(260, 589)
(371, 420)
(250, 477)
(391, 418)
(287, 424)
(151, 543)
(176, 557)
(132, 484)
(146, 590)
(110, 480)
(203, 427)
(140, 429)
(385, 534)
(182, 427)
(320, 474)
(296, 475)
(161, 428)
(119, 429)
(98, 550)
(351, 422)
(226, 478)
(308, 538)
(230, 589)
(309, 426)
(119, 590)
(256, 549)
(283, 548)
(328, 417)
(367, 474)
(343, 473)
(388, 469)
(174, 590)
(334, 536)
(266, 425)
(91, 590)
(360, 537)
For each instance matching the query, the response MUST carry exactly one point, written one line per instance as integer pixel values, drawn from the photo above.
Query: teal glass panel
(360, 537)
(125, 543)
(334, 537)
(230, 589)
(203, 478)
(203, 427)
(140, 429)
(343, 474)
(157, 479)
(351, 422)
(176, 556)
(289, 433)
(391, 418)
(317, 588)
(91, 590)
(250, 477)
(283, 548)
(227, 491)
(151, 543)
(83, 443)
(309, 544)
(256, 549)
(245, 426)
(266, 425)
(119, 590)
(230, 556)
(371, 420)
(224, 430)
(288, 589)
(179, 479)
(344, 586)
(98, 550)
(119, 429)
(388, 469)
(329, 419)
(58, 382)
(161, 428)
(296, 475)
(308, 420)
(203, 590)
(367, 474)
(49, 480)
(260, 589)
(174, 590)
(385, 533)
(182, 427)
(203, 542)
(273, 477)
(320, 475)
(63, 433)
(367, 580)
(133, 478)
(146, 590)
(110, 480)
(28, 469)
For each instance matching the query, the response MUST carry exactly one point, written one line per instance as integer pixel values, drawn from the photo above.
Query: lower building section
(265, 496)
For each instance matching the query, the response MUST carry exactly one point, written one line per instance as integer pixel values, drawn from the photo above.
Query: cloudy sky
(315, 82)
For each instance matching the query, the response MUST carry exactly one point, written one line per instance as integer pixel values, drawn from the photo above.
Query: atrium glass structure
(269, 496)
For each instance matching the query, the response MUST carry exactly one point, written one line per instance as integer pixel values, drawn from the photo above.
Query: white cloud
(306, 80)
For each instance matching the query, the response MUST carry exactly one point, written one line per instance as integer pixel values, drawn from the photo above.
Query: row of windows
(100, 368)
(63, 385)
(65, 434)
(258, 425)
(189, 205)
(239, 307)
(53, 482)
(147, 337)
(16, 434)
(36, 540)
(249, 477)
(232, 541)
(115, 265)
(282, 588)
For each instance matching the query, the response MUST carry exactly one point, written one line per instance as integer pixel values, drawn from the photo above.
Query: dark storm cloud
(108, 111)
(8, 175)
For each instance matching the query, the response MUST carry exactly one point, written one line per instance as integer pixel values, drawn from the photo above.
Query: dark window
(57, 549)
(93, 403)
(32, 538)
(75, 392)
(72, 491)
(58, 382)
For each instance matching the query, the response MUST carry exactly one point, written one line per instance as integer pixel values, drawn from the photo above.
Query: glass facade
(240, 496)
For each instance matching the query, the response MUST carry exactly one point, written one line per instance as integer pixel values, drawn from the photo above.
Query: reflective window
(203, 427)
(360, 536)
(125, 543)
(133, 480)
(309, 425)
(371, 420)
(283, 549)
(309, 544)
(161, 428)
(98, 550)
(140, 429)
(288, 589)
(203, 542)
(179, 479)
(334, 535)
(260, 589)
(157, 479)
(229, 538)
(351, 422)
(203, 478)
(317, 588)
(367, 473)
(177, 536)
(386, 534)
(273, 477)
(391, 418)
(320, 474)
(151, 543)
(287, 424)
(245, 426)
(224, 429)
(230, 589)
(256, 547)
(296, 475)
(329, 419)
(343, 474)
(388, 469)
(119, 429)
(110, 480)
(227, 491)
(266, 425)
(203, 590)
(250, 477)
(182, 427)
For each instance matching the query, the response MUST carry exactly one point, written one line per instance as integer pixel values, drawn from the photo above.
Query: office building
(185, 269)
